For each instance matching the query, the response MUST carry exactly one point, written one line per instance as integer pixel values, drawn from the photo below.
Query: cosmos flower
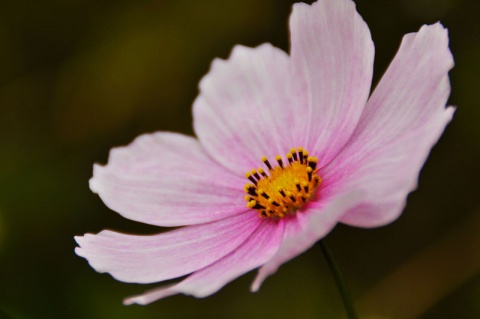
(287, 147)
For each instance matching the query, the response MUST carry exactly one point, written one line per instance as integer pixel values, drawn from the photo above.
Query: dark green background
(78, 77)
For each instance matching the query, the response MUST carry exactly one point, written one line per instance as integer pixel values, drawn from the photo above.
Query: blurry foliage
(81, 76)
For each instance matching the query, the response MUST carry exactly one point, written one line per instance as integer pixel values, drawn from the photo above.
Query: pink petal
(255, 251)
(414, 87)
(332, 55)
(402, 121)
(167, 179)
(244, 110)
(304, 230)
(146, 259)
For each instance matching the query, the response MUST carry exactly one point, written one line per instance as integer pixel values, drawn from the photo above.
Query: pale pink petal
(304, 229)
(167, 179)
(255, 251)
(332, 55)
(146, 259)
(402, 121)
(414, 88)
(244, 109)
(389, 174)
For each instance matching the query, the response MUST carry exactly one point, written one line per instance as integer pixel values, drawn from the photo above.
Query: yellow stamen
(286, 187)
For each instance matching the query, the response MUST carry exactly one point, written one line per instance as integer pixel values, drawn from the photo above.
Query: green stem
(339, 280)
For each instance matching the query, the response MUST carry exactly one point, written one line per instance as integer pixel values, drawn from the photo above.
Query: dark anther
(267, 163)
(258, 206)
(253, 180)
(252, 191)
(290, 160)
(280, 161)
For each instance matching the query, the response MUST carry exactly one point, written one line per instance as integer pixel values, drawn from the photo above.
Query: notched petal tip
(93, 183)
(300, 6)
(438, 26)
(319, 5)
(438, 37)
(81, 250)
(451, 109)
(80, 240)
(77, 238)
(139, 300)
(151, 295)
(238, 51)
(255, 286)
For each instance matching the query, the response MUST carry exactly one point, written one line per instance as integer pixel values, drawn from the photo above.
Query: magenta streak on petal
(255, 251)
(332, 56)
(147, 259)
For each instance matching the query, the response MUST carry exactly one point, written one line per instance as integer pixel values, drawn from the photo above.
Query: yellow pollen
(286, 186)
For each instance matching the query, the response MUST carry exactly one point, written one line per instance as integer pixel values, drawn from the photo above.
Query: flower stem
(339, 280)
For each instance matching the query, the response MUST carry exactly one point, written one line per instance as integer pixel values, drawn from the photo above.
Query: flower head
(288, 146)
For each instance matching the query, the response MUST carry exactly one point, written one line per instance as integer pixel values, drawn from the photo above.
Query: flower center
(286, 187)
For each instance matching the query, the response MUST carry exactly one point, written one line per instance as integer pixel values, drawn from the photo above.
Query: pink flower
(364, 155)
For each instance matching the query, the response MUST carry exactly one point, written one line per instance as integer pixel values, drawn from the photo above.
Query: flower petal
(167, 179)
(255, 251)
(304, 230)
(414, 88)
(244, 110)
(332, 54)
(147, 259)
(403, 119)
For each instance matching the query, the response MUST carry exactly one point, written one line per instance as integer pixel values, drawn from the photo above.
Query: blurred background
(78, 77)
